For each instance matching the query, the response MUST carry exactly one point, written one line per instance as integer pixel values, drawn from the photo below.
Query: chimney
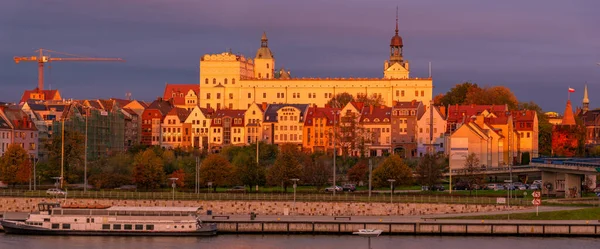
(370, 109)
(394, 103)
(159, 99)
(264, 106)
(413, 102)
(472, 105)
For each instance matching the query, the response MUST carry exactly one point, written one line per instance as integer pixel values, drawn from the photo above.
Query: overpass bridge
(560, 176)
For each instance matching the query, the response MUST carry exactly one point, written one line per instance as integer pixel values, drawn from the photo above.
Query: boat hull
(12, 227)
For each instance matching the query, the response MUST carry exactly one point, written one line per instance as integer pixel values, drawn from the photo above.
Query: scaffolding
(105, 129)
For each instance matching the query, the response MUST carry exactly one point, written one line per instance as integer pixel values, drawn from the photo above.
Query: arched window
(233, 81)
(214, 81)
(206, 81)
(225, 81)
(267, 65)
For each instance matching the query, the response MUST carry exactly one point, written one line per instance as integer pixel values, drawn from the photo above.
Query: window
(127, 227)
(402, 93)
(422, 93)
(208, 96)
(66, 226)
(259, 75)
(105, 226)
(55, 225)
(206, 81)
(139, 227)
(249, 95)
(267, 67)
(149, 227)
(232, 81)
(218, 95)
(397, 93)
(416, 93)
(225, 82)
(528, 134)
(267, 75)
(231, 96)
(214, 81)
(264, 95)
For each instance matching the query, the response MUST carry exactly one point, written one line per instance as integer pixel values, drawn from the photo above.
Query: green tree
(217, 170)
(73, 156)
(473, 171)
(286, 166)
(456, 95)
(247, 171)
(317, 169)
(430, 169)
(496, 95)
(395, 168)
(595, 151)
(340, 100)
(111, 172)
(15, 166)
(148, 171)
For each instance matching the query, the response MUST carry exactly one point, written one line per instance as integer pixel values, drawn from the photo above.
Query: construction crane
(44, 57)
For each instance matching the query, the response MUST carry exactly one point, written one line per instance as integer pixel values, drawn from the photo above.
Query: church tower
(264, 62)
(586, 100)
(396, 67)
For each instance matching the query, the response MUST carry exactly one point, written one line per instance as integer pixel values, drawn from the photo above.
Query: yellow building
(231, 81)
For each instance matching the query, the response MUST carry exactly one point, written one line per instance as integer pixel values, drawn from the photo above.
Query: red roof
(320, 112)
(48, 94)
(370, 113)
(181, 113)
(457, 112)
(178, 91)
(233, 114)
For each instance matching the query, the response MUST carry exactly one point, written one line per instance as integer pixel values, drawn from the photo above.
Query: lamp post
(85, 151)
(334, 152)
(173, 185)
(391, 189)
(295, 180)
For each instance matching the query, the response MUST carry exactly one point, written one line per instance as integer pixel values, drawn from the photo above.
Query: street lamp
(85, 151)
(334, 152)
(57, 178)
(391, 188)
(295, 180)
(173, 185)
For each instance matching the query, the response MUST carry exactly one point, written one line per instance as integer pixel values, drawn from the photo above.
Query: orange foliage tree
(15, 166)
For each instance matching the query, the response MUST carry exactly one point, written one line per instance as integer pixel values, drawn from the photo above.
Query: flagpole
(569, 94)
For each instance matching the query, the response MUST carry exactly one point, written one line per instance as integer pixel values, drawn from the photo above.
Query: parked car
(56, 192)
(349, 187)
(537, 182)
(437, 187)
(534, 187)
(127, 187)
(461, 185)
(334, 188)
(237, 189)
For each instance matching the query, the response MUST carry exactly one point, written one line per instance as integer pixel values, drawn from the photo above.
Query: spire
(586, 100)
(396, 20)
(568, 117)
(264, 40)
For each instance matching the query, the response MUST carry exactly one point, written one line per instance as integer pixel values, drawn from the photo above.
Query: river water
(296, 242)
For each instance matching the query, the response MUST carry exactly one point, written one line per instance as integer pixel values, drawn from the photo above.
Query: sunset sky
(538, 48)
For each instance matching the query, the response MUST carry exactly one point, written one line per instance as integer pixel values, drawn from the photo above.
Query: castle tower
(586, 100)
(264, 62)
(568, 116)
(396, 67)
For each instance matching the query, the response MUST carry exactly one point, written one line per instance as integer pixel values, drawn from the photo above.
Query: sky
(537, 48)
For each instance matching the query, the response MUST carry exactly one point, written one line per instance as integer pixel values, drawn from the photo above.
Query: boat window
(139, 227)
(105, 226)
(127, 227)
(46, 219)
(175, 226)
(75, 220)
(150, 227)
(116, 226)
(92, 220)
(66, 226)
(55, 225)
(87, 220)
(190, 226)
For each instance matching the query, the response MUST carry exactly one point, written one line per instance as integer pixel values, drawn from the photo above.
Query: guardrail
(317, 197)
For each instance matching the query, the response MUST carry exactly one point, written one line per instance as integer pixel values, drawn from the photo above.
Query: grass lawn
(579, 214)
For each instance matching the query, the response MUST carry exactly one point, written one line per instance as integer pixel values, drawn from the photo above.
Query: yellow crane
(44, 57)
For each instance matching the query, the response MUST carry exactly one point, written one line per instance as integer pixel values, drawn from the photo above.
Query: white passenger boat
(368, 232)
(162, 221)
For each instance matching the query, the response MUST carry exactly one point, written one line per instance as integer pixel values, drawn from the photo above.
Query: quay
(402, 226)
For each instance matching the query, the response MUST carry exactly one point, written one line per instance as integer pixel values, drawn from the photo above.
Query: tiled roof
(371, 113)
(106, 104)
(271, 111)
(4, 123)
(457, 112)
(406, 104)
(523, 115)
(161, 105)
(181, 113)
(48, 94)
(220, 114)
(121, 102)
(179, 91)
(19, 119)
(320, 112)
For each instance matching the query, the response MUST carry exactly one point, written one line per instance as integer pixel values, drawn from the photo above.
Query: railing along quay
(304, 197)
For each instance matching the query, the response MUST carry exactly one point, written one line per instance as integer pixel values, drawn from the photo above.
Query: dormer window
(386, 120)
(366, 120)
(376, 120)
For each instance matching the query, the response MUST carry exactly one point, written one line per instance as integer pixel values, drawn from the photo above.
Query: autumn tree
(15, 166)
(473, 171)
(217, 170)
(456, 95)
(359, 172)
(373, 99)
(395, 168)
(111, 172)
(496, 95)
(247, 171)
(350, 136)
(340, 100)
(286, 166)
(430, 169)
(148, 170)
(317, 169)
(180, 175)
